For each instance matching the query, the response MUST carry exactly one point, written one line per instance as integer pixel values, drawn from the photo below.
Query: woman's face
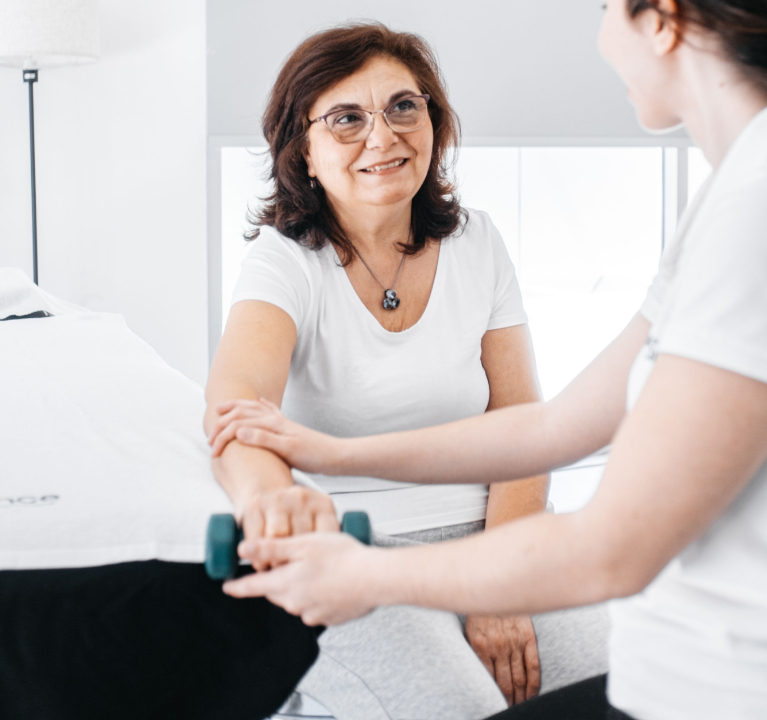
(639, 50)
(347, 171)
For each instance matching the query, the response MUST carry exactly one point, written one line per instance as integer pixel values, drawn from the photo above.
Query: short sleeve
(508, 309)
(717, 310)
(275, 271)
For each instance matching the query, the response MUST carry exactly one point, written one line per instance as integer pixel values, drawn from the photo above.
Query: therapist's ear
(666, 32)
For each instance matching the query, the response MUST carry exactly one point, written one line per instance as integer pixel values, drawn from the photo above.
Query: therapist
(678, 526)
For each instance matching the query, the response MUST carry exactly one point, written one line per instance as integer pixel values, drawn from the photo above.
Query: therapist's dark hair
(740, 24)
(301, 211)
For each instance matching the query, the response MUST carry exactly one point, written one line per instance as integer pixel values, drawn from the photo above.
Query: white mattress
(102, 453)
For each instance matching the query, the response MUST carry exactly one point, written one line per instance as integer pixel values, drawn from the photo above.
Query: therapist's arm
(252, 361)
(694, 439)
(513, 442)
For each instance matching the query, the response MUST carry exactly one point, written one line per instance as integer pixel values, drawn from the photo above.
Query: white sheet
(102, 454)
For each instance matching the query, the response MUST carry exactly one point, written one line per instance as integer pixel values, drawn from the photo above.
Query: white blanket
(102, 453)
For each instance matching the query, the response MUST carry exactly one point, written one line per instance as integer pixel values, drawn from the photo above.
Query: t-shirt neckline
(371, 320)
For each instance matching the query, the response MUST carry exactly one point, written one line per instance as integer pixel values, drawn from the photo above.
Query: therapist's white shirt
(693, 644)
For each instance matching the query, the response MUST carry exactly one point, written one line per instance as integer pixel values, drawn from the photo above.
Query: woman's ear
(309, 163)
(666, 32)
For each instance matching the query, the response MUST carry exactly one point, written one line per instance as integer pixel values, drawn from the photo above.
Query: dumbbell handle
(224, 535)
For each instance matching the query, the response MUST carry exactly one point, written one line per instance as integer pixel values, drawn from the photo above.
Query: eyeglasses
(406, 115)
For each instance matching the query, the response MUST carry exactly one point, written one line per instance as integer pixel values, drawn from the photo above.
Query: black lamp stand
(30, 77)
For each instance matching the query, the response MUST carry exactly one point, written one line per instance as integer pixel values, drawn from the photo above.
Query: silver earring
(312, 183)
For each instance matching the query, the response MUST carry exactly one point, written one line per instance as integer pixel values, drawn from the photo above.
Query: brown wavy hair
(741, 26)
(300, 211)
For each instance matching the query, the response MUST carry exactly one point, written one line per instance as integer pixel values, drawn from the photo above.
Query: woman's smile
(385, 167)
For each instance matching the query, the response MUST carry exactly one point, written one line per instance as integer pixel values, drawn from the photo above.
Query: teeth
(378, 168)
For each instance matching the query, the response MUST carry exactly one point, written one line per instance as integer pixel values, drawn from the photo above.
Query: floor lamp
(36, 34)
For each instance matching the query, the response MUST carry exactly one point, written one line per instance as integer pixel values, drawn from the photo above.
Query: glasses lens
(407, 115)
(348, 125)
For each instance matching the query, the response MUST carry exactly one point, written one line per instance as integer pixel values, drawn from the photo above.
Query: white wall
(514, 68)
(121, 164)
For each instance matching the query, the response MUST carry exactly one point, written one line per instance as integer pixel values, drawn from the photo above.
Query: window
(584, 229)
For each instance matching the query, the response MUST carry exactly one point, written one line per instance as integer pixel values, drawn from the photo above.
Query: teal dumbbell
(224, 535)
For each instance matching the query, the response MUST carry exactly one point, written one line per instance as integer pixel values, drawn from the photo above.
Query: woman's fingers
(532, 668)
(282, 512)
(503, 678)
(518, 674)
(325, 520)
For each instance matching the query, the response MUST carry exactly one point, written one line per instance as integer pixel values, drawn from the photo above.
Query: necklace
(390, 299)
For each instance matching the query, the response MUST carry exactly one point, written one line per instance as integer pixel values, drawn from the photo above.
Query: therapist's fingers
(224, 437)
(236, 410)
(269, 552)
(259, 584)
(250, 428)
(265, 438)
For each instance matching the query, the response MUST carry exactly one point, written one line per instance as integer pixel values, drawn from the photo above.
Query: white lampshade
(42, 33)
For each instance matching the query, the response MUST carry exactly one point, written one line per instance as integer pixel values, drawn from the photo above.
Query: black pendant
(391, 301)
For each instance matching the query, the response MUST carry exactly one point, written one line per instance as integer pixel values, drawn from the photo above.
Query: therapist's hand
(282, 512)
(260, 423)
(508, 649)
(319, 577)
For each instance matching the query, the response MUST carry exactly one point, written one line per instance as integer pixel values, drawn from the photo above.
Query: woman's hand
(508, 649)
(260, 423)
(320, 577)
(286, 511)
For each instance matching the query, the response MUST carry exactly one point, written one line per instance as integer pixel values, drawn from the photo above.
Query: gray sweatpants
(409, 663)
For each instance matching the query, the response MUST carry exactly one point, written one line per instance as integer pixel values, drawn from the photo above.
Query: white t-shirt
(351, 377)
(693, 644)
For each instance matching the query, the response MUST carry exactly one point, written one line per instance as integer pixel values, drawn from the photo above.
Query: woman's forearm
(512, 500)
(245, 471)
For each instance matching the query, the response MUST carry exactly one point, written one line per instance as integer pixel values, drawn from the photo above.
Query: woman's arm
(509, 362)
(507, 645)
(514, 442)
(696, 436)
(252, 361)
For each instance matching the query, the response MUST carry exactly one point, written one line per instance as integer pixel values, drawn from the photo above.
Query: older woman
(371, 302)
(679, 520)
